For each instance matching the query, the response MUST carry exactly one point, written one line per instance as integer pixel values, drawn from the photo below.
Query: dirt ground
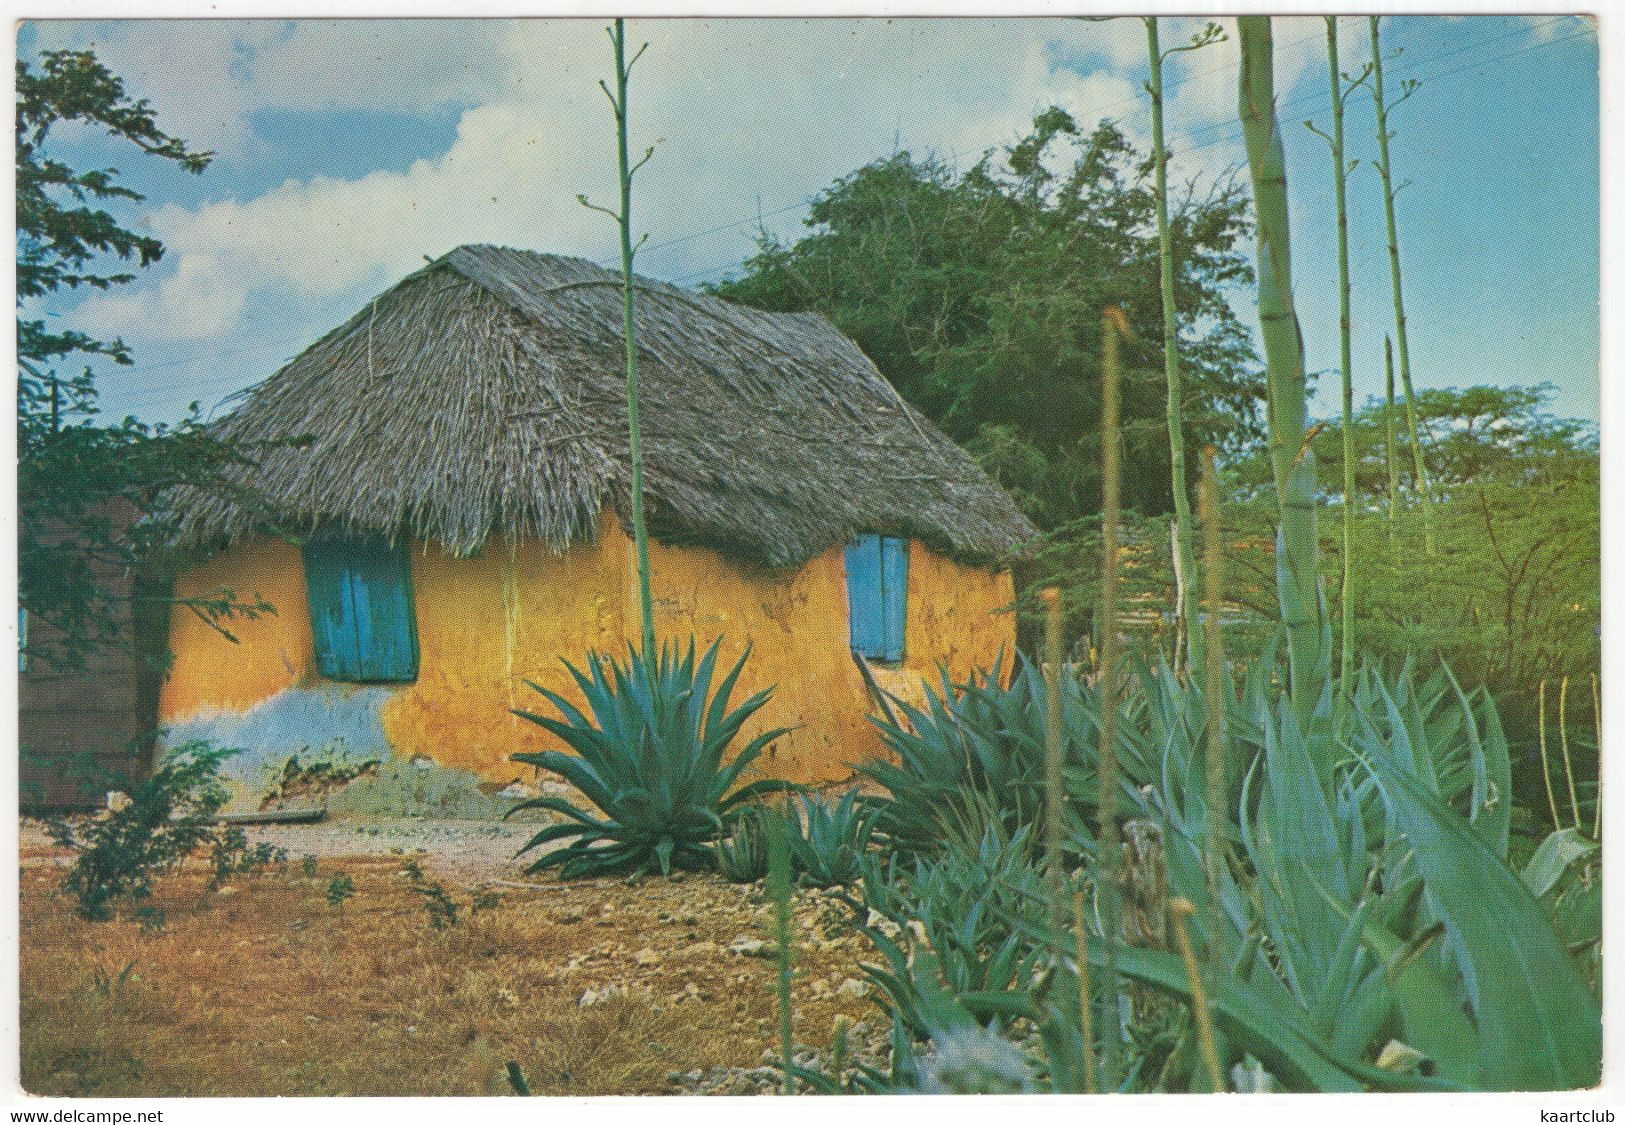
(263, 987)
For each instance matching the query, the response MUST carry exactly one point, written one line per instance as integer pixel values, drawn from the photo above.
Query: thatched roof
(486, 393)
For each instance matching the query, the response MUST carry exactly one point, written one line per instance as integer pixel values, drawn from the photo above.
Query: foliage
(650, 758)
(340, 888)
(231, 855)
(168, 815)
(89, 495)
(437, 901)
(1513, 592)
(439, 905)
(307, 864)
(1372, 933)
(963, 908)
(827, 841)
(978, 296)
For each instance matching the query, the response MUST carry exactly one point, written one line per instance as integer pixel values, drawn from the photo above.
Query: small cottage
(453, 520)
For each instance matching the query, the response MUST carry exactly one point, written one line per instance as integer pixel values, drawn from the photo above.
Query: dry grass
(264, 990)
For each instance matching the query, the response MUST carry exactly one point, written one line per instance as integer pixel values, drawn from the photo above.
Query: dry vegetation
(263, 989)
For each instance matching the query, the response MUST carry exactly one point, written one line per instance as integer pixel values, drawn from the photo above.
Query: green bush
(952, 921)
(650, 758)
(168, 815)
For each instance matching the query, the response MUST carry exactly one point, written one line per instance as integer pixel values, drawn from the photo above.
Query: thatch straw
(484, 393)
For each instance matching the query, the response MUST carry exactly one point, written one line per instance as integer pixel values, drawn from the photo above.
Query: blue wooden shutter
(361, 614)
(332, 623)
(866, 616)
(894, 595)
(877, 595)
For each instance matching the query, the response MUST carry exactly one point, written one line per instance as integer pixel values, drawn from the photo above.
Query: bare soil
(264, 988)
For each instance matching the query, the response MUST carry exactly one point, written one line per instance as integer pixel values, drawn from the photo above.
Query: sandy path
(462, 851)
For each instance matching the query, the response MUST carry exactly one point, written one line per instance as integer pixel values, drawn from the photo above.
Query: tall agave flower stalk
(1388, 437)
(1385, 169)
(1053, 792)
(1596, 729)
(1184, 565)
(1291, 459)
(1340, 174)
(1113, 324)
(1213, 690)
(623, 219)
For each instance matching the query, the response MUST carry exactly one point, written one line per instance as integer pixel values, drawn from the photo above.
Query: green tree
(1512, 593)
(90, 495)
(978, 294)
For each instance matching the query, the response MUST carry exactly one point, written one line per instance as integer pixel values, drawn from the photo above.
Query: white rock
(851, 986)
(598, 995)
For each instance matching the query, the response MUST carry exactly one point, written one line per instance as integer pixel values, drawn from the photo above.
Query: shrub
(1370, 932)
(168, 815)
(231, 855)
(650, 758)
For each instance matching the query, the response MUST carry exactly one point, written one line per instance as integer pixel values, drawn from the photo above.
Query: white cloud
(739, 111)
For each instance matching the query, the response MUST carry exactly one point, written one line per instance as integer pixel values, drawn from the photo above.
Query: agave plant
(650, 758)
(1372, 934)
(983, 741)
(832, 840)
(742, 853)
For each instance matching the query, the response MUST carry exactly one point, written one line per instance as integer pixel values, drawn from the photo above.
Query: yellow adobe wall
(273, 653)
(488, 623)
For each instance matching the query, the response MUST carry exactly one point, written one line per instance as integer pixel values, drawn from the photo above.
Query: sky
(348, 152)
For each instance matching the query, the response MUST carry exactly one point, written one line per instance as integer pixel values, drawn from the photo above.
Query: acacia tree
(90, 495)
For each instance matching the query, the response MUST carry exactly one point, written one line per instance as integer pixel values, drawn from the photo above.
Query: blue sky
(349, 151)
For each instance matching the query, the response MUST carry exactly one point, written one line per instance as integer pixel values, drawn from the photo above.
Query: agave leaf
(1430, 1014)
(1274, 1035)
(1557, 853)
(558, 805)
(560, 832)
(1539, 1027)
(577, 771)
